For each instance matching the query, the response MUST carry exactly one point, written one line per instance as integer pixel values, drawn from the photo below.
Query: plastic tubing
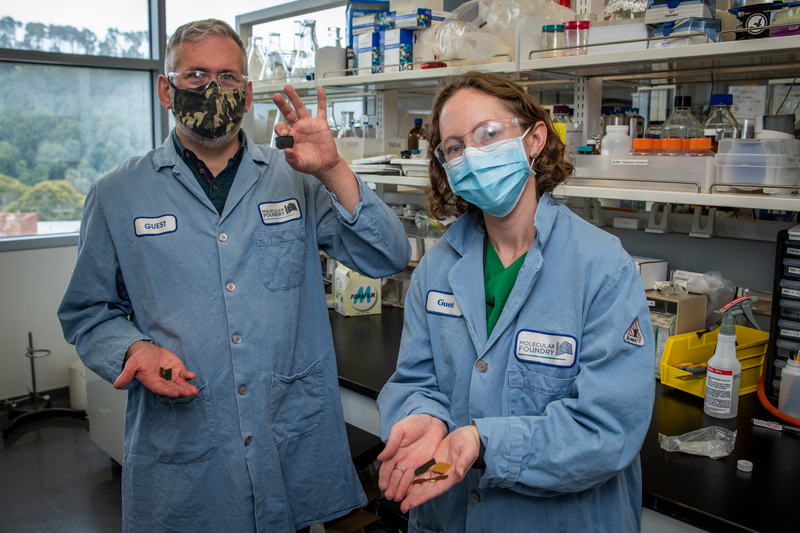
(769, 407)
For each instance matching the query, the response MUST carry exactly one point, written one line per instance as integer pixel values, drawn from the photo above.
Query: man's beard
(205, 142)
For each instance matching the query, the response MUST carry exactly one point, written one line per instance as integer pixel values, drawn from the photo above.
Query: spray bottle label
(719, 390)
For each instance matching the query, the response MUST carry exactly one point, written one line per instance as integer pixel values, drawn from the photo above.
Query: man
(198, 289)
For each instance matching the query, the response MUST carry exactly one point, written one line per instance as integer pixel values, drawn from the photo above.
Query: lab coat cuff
(503, 440)
(119, 361)
(435, 412)
(344, 215)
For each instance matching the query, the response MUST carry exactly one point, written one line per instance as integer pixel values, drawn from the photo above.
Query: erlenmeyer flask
(255, 58)
(289, 57)
(332, 121)
(275, 59)
(346, 128)
(333, 37)
(303, 68)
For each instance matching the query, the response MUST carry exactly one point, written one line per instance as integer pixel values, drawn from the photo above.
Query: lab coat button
(481, 365)
(248, 440)
(237, 339)
(222, 237)
(242, 389)
(230, 287)
(475, 497)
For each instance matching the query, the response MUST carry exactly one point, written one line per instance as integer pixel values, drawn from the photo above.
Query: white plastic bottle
(789, 395)
(617, 142)
(723, 375)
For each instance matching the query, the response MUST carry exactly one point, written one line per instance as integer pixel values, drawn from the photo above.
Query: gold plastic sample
(441, 468)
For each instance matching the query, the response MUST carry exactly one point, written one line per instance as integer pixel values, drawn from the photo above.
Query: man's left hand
(460, 449)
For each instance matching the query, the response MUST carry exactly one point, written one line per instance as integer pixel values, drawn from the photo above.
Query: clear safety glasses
(482, 137)
(198, 80)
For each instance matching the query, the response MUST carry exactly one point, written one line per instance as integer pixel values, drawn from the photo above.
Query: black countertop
(706, 493)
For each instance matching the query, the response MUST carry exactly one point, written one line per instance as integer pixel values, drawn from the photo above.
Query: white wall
(33, 282)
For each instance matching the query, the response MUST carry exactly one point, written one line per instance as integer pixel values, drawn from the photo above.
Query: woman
(526, 358)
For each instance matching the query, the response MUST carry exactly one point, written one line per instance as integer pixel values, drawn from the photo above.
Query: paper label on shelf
(790, 333)
(794, 270)
(630, 162)
(790, 292)
(793, 251)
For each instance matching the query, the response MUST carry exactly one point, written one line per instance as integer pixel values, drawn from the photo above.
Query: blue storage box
(659, 11)
(397, 48)
(673, 32)
(360, 9)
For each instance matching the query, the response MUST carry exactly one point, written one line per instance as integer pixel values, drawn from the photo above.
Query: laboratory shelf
(743, 200)
(736, 60)
(394, 180)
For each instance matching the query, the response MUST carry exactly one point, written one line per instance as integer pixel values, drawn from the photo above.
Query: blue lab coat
(561, 392)
(239, 298)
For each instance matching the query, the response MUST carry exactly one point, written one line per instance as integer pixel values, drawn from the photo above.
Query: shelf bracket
(707, 231)
(661, 226)
(594, 212)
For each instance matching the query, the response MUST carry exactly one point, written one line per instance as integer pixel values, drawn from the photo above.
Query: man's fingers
(392, 444)
(283, 106)
(299, 106)
(124, 378)
(282, 129)
(322, 104)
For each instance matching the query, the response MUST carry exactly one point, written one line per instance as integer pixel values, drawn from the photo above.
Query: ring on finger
(295, 120)
(400, 468)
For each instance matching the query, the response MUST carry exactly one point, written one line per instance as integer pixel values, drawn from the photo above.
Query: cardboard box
(410, 18)
(368, 53)
(690, 312)
(659, 11)
(396, 5)
(360, 9)
(396, 48)
(423, 46)
(355, 294)
(438, 17)
(651, 270)
(365, 24)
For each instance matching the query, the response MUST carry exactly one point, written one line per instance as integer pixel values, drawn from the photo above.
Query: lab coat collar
(467, 236)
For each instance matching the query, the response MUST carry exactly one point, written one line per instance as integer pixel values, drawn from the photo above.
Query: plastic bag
(720, 292)
(482, 29)
(663, 327)
(713, 441)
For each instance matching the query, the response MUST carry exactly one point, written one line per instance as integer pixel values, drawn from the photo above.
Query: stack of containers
(389, 38)
(675, 18)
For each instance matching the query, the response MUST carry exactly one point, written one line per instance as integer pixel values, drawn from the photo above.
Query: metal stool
(20, 415)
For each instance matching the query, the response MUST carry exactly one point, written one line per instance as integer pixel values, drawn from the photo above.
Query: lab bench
(709, 494)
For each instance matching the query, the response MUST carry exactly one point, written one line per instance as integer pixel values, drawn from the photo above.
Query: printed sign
(443, 303)
(155, 226)
(549, 349)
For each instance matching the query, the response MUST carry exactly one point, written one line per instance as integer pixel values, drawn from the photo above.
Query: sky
(131, 15)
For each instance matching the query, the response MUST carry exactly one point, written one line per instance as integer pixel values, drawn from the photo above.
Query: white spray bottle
(724, 369)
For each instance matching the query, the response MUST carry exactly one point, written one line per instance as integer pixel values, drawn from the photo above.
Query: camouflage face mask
(212, 112)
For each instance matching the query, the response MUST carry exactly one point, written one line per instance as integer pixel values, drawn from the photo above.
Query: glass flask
(304, 62)
(275, 63)
(346, 128)
(255, 58)
(681, 124)
(332, 122)
(290, 57)
(720, 122)
(334, 39)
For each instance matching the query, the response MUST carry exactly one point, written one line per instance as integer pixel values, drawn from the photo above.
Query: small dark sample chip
(286, 141)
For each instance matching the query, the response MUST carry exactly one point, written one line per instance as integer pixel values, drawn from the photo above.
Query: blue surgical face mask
(491, 179)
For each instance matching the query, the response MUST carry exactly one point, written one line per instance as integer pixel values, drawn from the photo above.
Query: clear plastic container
(760, 162)
(789, 394)
(617, 142)
(577, 34)
(561, 114)
(553, 37)
(681, 124)
(720, 122)
(642, 147)
(672, 148)
(653, 130)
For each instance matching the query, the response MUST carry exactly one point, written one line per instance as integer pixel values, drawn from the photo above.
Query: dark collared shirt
(216, 187)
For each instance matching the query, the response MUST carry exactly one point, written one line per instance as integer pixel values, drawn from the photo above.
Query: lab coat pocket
(182, 430)
(295, 402)
(281, 257)
(529, 393)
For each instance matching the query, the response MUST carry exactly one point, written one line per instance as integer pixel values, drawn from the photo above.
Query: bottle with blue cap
(724, 371)
(720, 122)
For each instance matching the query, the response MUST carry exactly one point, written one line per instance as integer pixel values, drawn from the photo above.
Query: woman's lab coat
(562, 392)
(239, 298)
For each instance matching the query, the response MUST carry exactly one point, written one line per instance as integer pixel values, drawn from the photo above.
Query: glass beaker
(304, 63)
(346, 129)
(275, 63)
(255, 58)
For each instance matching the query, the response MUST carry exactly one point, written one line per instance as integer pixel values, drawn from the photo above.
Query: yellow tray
(751, 347)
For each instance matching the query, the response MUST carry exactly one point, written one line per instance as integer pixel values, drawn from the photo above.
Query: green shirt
(498, 282)
(216, 187)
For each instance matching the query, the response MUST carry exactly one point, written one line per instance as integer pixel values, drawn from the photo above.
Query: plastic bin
(789, 329)
(790, 288)
(751, 348)
(791, 267)
(635, 168)
(790, 308)
(762, 162)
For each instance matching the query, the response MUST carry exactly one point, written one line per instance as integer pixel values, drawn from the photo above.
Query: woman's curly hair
(551, 166)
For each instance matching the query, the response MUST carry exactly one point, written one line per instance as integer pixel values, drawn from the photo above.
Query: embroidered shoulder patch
(634, 334)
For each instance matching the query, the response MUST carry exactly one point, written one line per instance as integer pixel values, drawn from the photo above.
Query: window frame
(154, 66)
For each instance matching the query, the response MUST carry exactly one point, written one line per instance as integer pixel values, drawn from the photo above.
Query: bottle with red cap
(577, 35)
